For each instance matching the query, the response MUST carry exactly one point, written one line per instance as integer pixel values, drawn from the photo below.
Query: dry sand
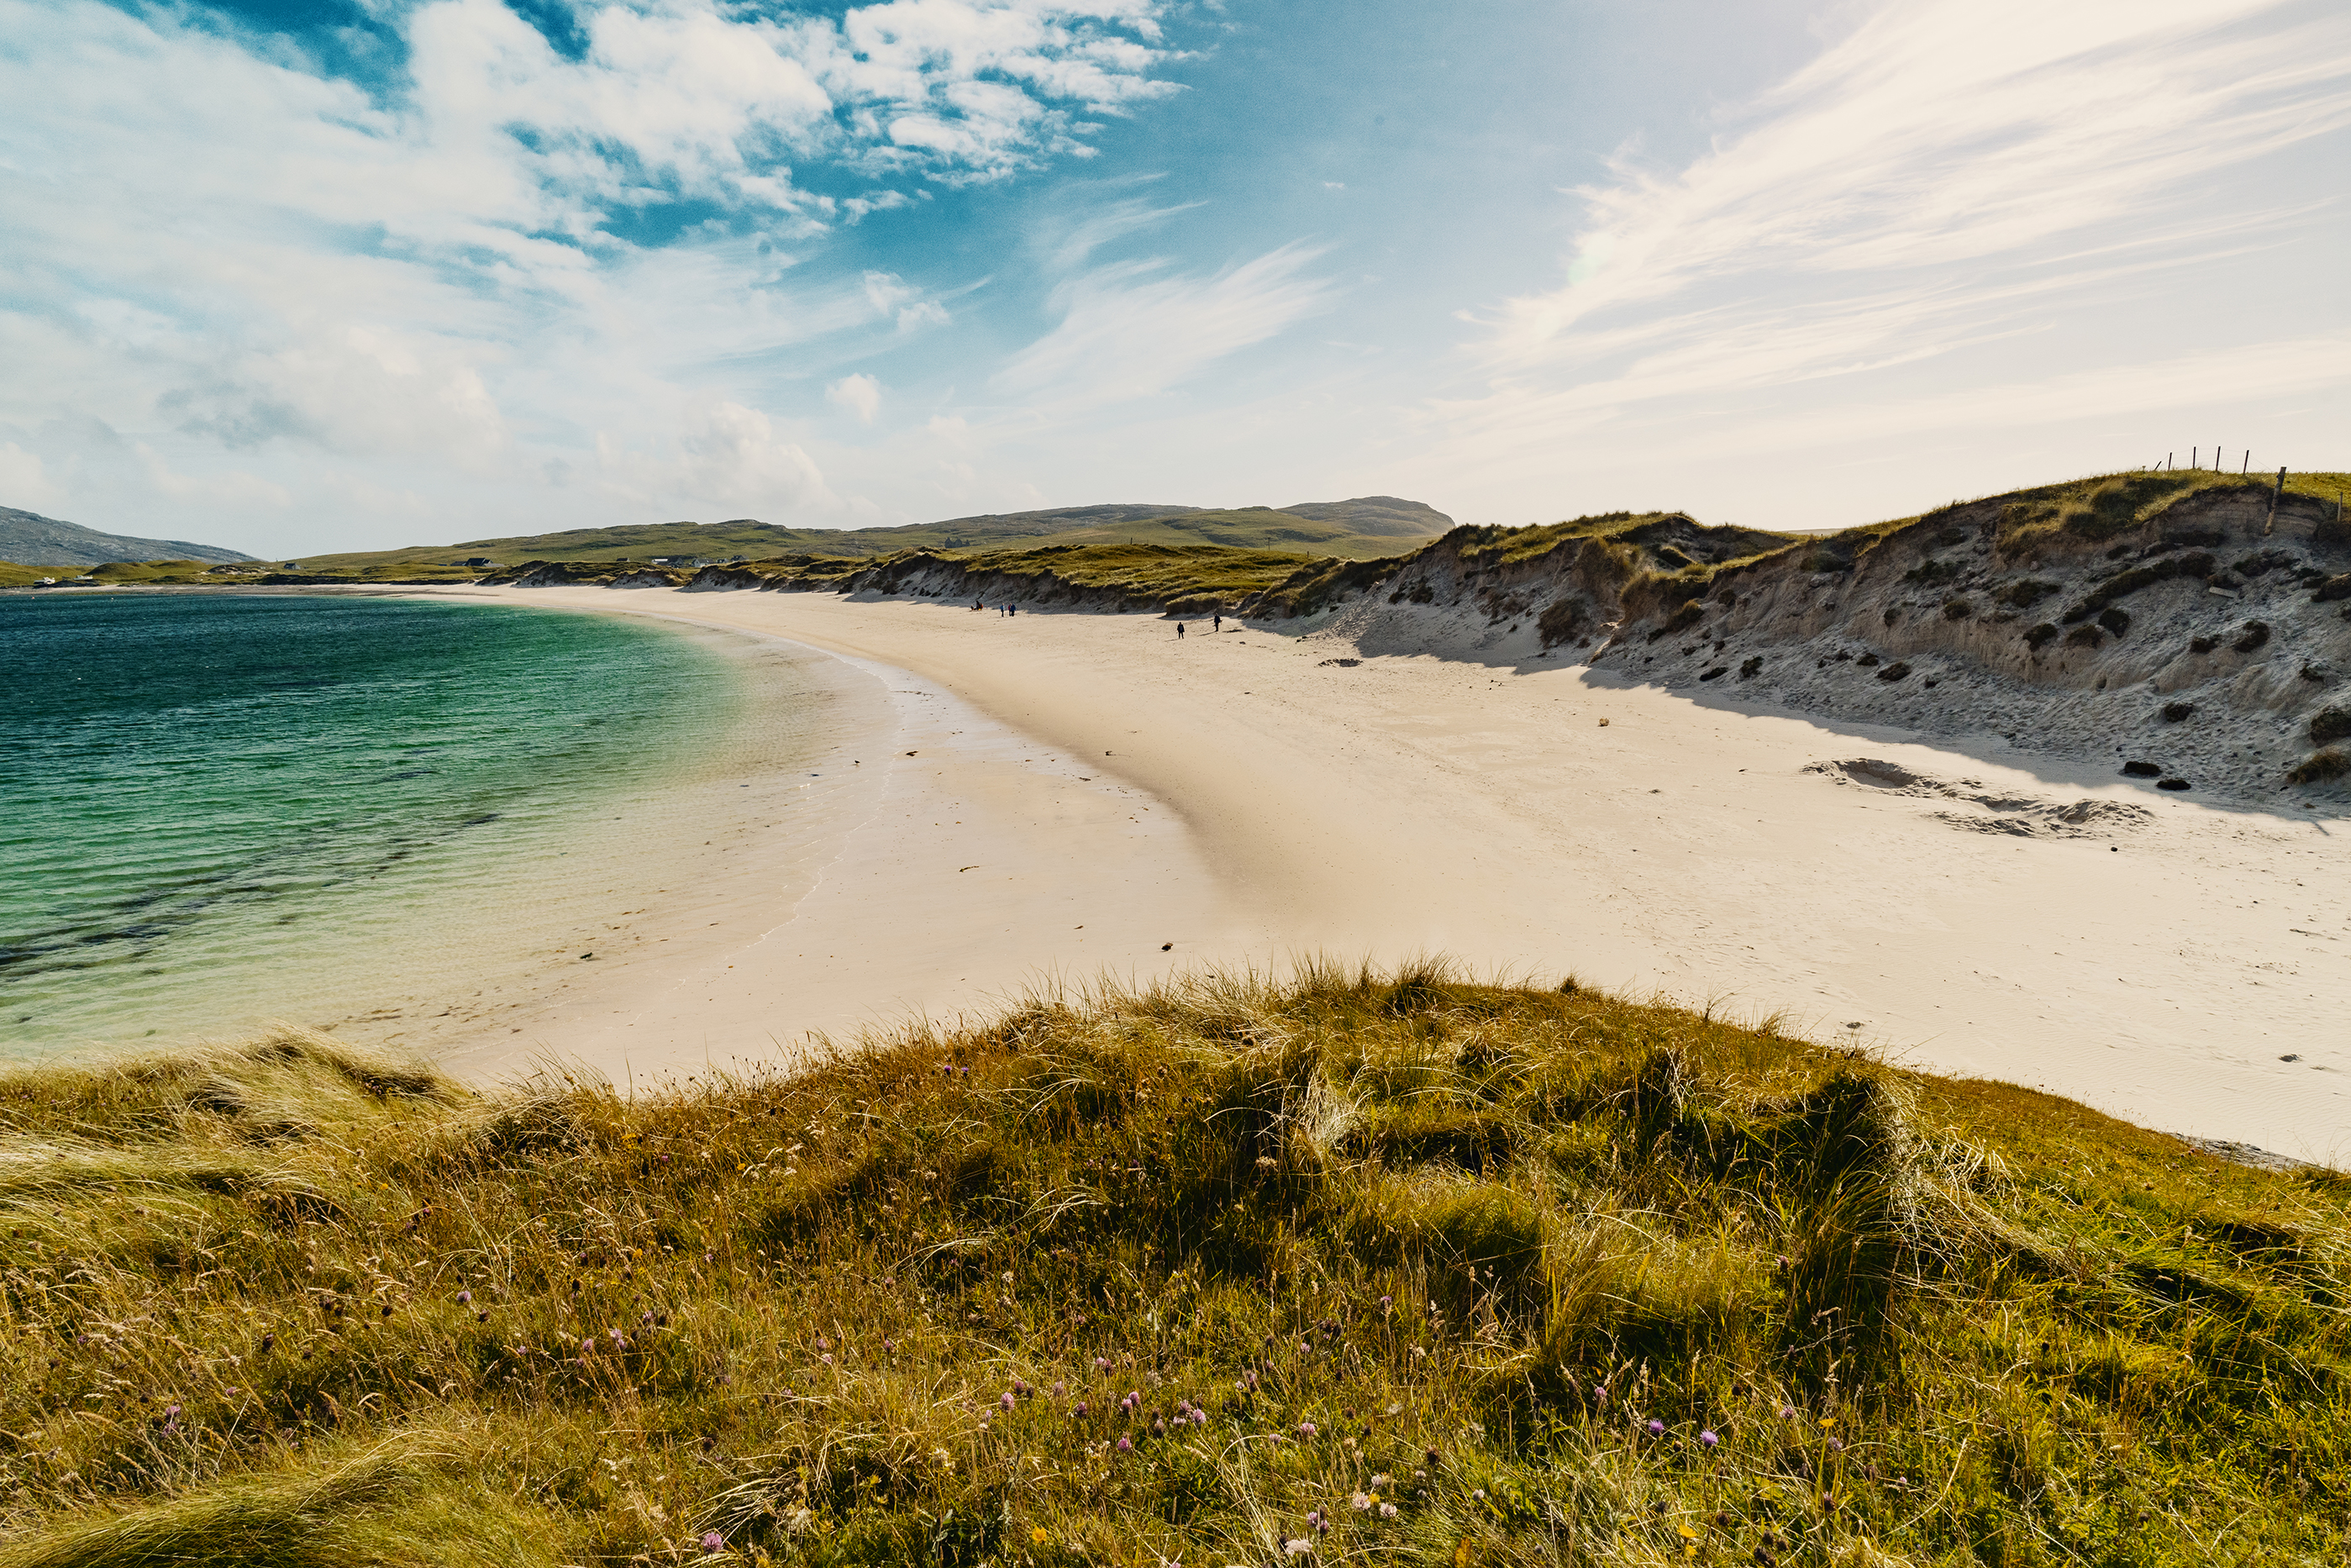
(1086, 788)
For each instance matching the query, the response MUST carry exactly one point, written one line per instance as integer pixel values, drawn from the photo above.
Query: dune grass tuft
(1354, 1267)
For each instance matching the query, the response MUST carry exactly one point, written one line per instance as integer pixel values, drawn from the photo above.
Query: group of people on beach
(1215, 621)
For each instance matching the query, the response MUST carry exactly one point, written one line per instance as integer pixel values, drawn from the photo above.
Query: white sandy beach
(1065, 794)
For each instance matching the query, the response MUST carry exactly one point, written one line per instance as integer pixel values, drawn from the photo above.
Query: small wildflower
(1360, 1502)
(1387, 1510)
(826, 1359)
(1657, 1429)
(1125, 1444)
(1079, 1409)
(1306, 1428)
(1386, 1301)
(1037, 1537)
(1708, 1438)
(1102, 1364)
(713, 1543)
(1061, 1390)
(1786, 1411)
(1297, 1548)
(1836, 1447)
(1005, 1399)
(465, 1298)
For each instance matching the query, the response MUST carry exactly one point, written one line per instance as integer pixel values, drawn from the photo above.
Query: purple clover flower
(713, 1543)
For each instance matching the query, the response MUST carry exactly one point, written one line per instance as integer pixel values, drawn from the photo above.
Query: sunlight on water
(222, 805)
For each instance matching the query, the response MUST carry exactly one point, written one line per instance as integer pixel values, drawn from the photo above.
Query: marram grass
(1353, 1267)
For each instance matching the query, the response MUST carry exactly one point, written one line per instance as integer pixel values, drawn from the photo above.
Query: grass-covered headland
(1354, 1267)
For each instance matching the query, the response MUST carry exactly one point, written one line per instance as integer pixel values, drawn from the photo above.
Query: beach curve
(1562, 821)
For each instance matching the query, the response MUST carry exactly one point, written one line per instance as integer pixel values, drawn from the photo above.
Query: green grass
(1257, 531)
(2098, 506)
(1468, 1272)
(1253, 529)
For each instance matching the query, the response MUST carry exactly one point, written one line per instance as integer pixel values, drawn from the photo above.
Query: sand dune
(1247, 799)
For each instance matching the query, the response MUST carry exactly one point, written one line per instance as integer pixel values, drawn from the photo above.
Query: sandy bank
(2156, 963)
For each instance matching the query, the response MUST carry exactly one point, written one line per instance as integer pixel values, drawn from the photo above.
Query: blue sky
(294, 277)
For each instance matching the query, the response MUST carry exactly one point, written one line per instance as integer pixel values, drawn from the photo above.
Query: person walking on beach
(1216, 621)
(1179, 630)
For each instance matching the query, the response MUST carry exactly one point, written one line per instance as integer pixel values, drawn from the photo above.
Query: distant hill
(44, 541)
(1360, 529)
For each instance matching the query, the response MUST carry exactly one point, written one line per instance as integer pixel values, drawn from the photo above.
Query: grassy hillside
(1362, 1268)
(1364, 527)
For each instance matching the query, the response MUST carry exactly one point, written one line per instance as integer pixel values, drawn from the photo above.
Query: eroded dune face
(2206, 643)
(2199, 632)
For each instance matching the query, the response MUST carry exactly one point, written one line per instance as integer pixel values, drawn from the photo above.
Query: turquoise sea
(219, 807)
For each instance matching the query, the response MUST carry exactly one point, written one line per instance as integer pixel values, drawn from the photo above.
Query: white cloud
(232, 489)
(211, 246)
(1128, 330)
(859, 394)
(726, 453)
(23, 478)
(1952, 173)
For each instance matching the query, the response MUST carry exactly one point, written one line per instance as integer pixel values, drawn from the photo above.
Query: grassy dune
(1359, 1268)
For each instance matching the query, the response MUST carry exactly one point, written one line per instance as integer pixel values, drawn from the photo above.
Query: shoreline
(1410, 805)
(1055, 870)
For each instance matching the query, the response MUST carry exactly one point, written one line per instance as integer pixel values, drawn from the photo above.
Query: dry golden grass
(1355, 1267)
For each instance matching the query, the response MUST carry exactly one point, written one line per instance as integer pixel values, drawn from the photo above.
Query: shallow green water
(210, 803)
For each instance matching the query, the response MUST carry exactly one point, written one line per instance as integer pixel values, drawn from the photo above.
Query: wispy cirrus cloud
(1132, 329)
(1952, 173)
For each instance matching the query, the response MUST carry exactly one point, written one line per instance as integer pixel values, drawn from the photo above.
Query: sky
(300, 277)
